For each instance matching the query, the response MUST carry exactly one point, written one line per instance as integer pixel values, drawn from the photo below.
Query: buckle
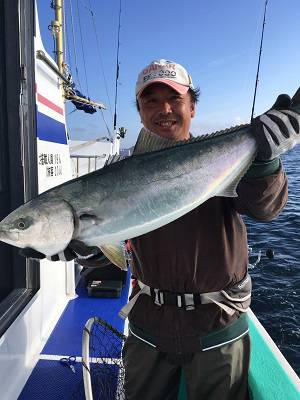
(159, 297)
(179, 300)
(186, 301)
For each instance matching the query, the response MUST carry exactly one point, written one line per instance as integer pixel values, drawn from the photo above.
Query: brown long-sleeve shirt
(203, 251)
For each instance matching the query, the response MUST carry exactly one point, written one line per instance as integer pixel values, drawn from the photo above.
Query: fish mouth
(7, 236)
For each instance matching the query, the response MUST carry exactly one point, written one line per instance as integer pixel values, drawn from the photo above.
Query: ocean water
(276, 281)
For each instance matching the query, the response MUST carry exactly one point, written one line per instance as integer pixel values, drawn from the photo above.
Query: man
(204, 251)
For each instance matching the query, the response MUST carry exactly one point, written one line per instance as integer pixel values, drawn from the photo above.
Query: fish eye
(21, 224)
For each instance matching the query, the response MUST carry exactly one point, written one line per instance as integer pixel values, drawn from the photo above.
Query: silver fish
(133, 196)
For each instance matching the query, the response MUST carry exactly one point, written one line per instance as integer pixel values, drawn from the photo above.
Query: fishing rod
(259, 58)
(118, 68)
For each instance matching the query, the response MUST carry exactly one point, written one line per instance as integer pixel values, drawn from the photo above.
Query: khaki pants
(216, 374)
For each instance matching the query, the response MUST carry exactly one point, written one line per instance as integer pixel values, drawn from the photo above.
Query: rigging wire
(65, 32)
(74, 44)
(82, 49)
(259, 58)
(71, 112)
(117, 68)
(99, 53)
(67, 48)
(106, 125)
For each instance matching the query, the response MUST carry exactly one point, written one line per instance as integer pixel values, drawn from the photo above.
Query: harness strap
(123, 313)
(186, 300)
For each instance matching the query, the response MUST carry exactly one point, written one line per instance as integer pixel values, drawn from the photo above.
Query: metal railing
(92, 163)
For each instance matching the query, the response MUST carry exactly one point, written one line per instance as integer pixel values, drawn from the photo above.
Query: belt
(186, 301)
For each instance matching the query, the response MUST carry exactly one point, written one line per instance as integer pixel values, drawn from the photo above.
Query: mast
(57, 29)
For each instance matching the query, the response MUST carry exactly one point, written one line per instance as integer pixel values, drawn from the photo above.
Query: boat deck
(270, 377)
(50, 379)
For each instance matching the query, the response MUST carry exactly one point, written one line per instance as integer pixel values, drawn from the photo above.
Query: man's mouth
(165, 123)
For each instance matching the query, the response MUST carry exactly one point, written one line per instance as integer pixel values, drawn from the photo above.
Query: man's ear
(193, 110)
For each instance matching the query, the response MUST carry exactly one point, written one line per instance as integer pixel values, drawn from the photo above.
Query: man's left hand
(278, 130)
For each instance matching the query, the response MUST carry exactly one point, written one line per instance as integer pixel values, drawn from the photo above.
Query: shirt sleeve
(262, 198)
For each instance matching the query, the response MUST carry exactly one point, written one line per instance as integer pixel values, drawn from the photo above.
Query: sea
(275, 270)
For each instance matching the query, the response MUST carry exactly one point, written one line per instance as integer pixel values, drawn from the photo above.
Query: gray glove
(75, 250)
(278, 130)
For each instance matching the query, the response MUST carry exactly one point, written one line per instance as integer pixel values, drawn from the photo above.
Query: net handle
(86, 358)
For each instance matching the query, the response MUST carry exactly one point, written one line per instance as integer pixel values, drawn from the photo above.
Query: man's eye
(149, 101)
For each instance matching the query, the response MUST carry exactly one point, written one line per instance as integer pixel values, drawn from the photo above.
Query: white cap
(167, 72)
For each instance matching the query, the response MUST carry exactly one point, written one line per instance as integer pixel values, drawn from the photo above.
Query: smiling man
(166, 99)
(204, 251)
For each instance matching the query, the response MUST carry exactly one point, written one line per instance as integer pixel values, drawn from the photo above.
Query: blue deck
(52, 380)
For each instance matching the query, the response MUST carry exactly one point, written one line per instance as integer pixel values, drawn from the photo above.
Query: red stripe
(49, 104)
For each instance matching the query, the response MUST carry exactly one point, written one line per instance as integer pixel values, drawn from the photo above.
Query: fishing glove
(75, 249)
(278, 130)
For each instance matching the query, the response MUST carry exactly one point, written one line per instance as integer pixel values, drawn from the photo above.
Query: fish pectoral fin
(91, 218)
(116, 254)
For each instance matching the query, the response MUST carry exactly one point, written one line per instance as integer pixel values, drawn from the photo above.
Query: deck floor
(52, 380)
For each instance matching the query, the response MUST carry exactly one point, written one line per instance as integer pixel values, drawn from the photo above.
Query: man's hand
(278, 130)
(75, 249)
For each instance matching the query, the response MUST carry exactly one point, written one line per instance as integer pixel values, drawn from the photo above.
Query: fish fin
(116, 254)
(113, 158)
(149, 141)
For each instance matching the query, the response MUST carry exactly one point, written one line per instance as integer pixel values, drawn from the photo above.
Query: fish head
(46, 226)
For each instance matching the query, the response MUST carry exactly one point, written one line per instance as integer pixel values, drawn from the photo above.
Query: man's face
(166, 112)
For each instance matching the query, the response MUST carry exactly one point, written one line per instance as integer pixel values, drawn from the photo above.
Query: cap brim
(181, 89)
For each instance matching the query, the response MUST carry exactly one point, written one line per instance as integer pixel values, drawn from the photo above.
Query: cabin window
(19, 278)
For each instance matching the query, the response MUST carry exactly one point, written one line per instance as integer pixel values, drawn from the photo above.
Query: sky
(217, 41)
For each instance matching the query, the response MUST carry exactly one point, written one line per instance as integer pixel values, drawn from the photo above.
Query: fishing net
(103, 371)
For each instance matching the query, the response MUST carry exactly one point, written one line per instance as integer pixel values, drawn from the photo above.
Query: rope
(99, 55)
(74, 44)
(259, 58)
(68, 44)
(82, 49)
(107, 128)
(64, 31)
(118, 68)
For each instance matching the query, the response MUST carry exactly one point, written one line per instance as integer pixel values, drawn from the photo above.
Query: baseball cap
(164, 71)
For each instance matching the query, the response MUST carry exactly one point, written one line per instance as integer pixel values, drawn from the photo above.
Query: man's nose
(166, 107)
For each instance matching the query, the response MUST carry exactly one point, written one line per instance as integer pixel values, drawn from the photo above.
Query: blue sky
(217, 41)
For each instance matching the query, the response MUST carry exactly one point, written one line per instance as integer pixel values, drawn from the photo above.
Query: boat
(44, 306)
(35, 156)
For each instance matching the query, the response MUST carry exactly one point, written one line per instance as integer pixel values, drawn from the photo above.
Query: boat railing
(84, 164)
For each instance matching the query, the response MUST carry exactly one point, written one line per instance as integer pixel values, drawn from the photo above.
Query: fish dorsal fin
(148, 141)
(113, 158)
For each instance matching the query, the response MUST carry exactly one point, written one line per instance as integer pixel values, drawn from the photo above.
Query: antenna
(259, 57)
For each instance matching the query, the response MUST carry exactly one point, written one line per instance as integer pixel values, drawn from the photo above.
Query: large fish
(133, 196)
